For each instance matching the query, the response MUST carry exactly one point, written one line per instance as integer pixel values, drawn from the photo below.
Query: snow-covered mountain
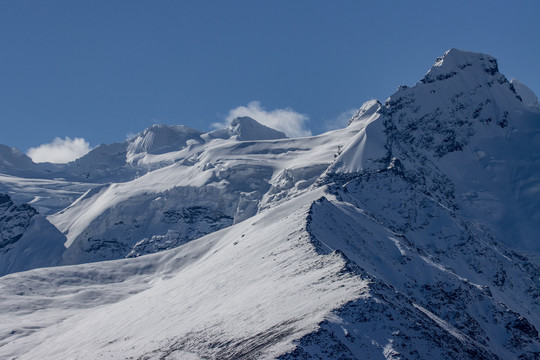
(13, 160)
(463, 137)
(411, 233)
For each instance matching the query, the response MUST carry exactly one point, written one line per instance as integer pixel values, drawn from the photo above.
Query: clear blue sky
(103, 69)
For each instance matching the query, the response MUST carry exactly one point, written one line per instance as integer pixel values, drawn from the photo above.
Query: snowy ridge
(242, 292)
(439, 274)
(411, 233)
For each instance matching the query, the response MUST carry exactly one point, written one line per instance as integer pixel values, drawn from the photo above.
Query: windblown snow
(411, 233)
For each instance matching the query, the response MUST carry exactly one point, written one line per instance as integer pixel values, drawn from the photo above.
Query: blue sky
(101, 70)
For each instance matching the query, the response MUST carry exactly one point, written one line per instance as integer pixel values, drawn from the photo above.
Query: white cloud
(340, 121)
(59, 151)
(286, 120)
(130, 135)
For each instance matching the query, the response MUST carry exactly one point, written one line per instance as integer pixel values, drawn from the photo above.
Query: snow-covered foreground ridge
(411, 233)
(240, 292)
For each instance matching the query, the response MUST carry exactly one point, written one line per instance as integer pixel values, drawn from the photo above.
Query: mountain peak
(245, 129)
(367, 109)
(463, 96)
(463, 93)
(12, 159)
(455, 61)
(159, 139)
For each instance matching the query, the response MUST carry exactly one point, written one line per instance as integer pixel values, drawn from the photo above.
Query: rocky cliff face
(14, 221)
(27, 239)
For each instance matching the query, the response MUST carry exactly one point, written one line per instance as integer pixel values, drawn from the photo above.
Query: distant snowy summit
(247, 129)
(146, 151)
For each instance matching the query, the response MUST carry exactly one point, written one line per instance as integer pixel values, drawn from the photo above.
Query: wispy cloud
(59, 151)
(130, 135)
(287, 120)
(340, 121)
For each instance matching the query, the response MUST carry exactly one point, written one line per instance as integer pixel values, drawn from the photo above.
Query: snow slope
(243, 292)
